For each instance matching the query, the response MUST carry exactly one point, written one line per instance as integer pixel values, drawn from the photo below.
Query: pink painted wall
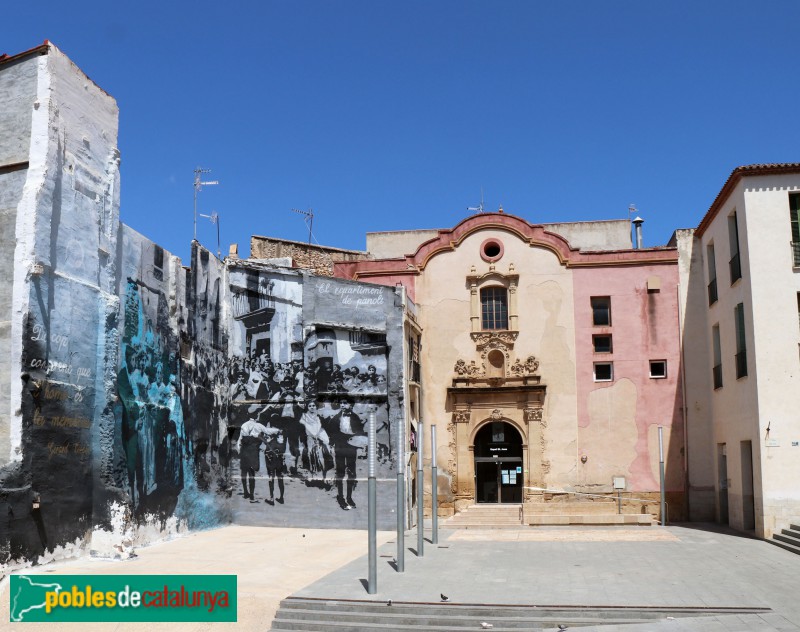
(644, 327)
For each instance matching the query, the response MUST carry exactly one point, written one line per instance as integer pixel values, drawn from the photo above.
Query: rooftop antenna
(479, 208)
(214, 217)
(198, 186)
(308, 218)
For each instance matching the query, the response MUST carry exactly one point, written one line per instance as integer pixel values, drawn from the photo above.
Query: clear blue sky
(393, 115)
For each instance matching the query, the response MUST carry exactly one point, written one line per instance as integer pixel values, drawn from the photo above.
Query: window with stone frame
(494, 308)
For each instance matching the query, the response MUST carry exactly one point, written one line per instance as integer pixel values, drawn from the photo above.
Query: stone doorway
(498, 464)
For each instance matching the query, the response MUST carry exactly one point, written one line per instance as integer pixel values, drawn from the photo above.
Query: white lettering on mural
(354, 296)
(59, 341)
(54, 367)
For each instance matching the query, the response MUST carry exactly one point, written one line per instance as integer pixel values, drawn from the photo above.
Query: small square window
(658, 368)
(602, 344)
(603, 371)
(601, 311)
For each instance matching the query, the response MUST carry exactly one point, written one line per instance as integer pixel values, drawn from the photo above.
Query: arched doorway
(498, 464)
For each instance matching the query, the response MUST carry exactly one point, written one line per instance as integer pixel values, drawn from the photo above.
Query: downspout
(684, 408)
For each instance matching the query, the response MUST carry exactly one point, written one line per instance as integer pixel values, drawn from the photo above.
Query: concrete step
(788, 539)
(315, 614)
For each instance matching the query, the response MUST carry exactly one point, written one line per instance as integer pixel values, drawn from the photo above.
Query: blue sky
(394, 115)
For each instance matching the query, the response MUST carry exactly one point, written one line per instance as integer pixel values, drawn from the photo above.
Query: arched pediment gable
(449, 239)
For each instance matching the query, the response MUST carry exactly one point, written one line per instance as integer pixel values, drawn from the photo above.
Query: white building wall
(774, 359)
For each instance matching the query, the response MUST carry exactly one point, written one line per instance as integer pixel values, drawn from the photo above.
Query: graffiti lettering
(362, 302)
(54, 449)
(61, 421)
(51, 367)
(59, 341)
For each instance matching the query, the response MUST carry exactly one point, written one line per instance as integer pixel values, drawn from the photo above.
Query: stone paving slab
(618, 566)
(270, 564)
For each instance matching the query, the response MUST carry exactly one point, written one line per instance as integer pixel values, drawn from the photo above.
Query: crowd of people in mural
(257, 377)
(300, 422)
(157, 451)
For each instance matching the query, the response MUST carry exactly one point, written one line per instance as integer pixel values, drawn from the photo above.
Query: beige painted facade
(755, 443)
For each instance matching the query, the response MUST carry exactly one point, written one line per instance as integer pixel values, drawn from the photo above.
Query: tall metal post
(372, 510)
(401, 495)
(420, 493)
(661, 468)
(434, 490)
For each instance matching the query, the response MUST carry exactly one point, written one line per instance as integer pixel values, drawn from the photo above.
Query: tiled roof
(767, 169)
(41, 49)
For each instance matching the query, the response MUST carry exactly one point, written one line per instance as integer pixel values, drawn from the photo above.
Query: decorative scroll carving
(545, 467)
(460, 417)
(497, 414)
(503, 338)
(529, 367)
(462, 369)
(533, 414)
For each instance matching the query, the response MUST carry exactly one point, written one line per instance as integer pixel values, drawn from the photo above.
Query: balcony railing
(736, 268)
(718, 376)
(712, 292)
(741, 364)
(796, 254)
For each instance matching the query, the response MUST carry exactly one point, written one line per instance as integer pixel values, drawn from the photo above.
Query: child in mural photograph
(284, 412)
(251, 435)
(346, 432)
(316, 451)
(273, 459)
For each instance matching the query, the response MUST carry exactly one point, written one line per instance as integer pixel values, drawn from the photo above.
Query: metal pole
(401, 495)
(661, 468)
(420, 493)
(372, 513)
(434, 490)
(196, 186)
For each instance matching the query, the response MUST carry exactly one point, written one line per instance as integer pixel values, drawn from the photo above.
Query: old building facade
(558, 362)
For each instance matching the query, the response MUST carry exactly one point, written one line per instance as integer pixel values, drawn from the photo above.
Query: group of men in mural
(300, 422)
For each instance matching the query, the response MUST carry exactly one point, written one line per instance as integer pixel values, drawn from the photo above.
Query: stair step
(319, 615)
(788, 536)
(784, 545)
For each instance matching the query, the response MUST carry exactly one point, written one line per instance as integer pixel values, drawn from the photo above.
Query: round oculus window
(491, 250)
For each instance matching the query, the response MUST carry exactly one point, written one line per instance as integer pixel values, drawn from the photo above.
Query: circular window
(491, 250)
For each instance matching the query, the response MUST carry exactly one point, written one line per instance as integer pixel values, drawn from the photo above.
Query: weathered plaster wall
(65, 230)
(614, 234)
(619, 419)
(17, 97)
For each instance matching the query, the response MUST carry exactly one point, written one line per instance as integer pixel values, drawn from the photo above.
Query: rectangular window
(602, 344)
(603, 371)
(794, 220)
(494, 308)
(717, 357)
(601, 310)
(712, 274)
(658, 368)
(733, 237)
(798, 307)
(741, 347)
(158, 262)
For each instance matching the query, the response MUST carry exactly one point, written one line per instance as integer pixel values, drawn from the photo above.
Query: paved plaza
(679, 566)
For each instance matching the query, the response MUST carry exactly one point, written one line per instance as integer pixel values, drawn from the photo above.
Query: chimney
(638, 221)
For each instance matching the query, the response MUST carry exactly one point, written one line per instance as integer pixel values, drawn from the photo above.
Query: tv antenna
(479, 208)
(214, 217)
(308, 217)
(198, 186)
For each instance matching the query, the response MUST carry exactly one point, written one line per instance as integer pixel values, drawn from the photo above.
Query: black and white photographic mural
(301, 395)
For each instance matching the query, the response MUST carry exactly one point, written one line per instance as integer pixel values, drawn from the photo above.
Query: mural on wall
(158, 453)
(300, 398)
